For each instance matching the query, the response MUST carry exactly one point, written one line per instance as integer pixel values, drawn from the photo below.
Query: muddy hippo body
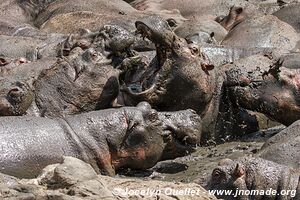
(28, 47)
(284, 147)
(262, 85)
(249, 173)
(17, 85)
(191, 8)
(84, 81)
(263, 31)
(290, 15)
(108, 140)
(201, 30)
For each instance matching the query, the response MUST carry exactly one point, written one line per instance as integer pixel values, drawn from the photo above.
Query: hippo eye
(153, 117)
(172, 22)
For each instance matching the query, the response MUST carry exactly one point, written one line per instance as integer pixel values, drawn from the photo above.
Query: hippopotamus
(180, 77)
(201, 30)
(111, 139)
(263, 31)
(283, 148)
(266, 86)
(255, 175)
(15, 97)
(191, 8)
(16, 88)
(65, 17)
(236, 15)
(290, 15)
(11, 11)
(30, 47)
(82, 81)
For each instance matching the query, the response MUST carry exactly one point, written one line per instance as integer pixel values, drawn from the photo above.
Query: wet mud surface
(198, 166)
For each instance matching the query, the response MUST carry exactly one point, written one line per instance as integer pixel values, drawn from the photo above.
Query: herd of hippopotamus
(126, 84)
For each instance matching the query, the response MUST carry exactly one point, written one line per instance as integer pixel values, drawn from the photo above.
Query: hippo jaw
(274, 92)
(170, 50)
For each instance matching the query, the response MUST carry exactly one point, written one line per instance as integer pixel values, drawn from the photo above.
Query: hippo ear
(239, 170)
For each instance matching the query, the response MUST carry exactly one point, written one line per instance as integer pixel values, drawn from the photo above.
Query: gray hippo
(87, 82)
(201, 30)
(68, 17)
(193, 8)
(30, 48)
(15, 97)
(133, 137)
(180, 77)
(262, 31)
(17, 78)
(290, 15)
(266, 86)
(255, 178)
(284, 147)
(83, 81)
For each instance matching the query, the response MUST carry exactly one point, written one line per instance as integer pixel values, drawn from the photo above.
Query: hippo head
(15, 97)
(153, 136)
(177, 67)
(274, 91)
(236, 15)
(228, 175)
(185, 132)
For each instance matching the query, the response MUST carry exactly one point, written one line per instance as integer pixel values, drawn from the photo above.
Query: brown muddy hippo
(191, 8)
(133, 137)
(201, 30)
(263, 31)
(255, 178)
(284, 147)
(290, 15)
(16, 88)
(68, 17)
(83, 81)
(262, 85)
(15, 97)
(236, 15)
(30, 48)
(181, 77)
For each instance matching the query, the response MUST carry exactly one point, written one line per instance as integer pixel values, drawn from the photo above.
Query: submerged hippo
(133, 137)
(262, 31)
(255, 175)
(191, 8)
(284, 147)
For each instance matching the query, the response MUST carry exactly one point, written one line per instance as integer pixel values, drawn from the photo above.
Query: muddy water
(198, 166)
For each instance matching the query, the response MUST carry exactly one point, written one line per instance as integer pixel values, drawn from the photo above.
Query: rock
(76, 180)
(70, 172)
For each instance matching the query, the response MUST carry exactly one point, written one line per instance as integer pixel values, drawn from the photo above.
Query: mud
(198, 166)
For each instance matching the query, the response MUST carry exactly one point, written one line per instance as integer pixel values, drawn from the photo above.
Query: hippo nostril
(3, 62)
(14, 92)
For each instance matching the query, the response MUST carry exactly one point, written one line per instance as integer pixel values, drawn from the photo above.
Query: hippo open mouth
(170, 49)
